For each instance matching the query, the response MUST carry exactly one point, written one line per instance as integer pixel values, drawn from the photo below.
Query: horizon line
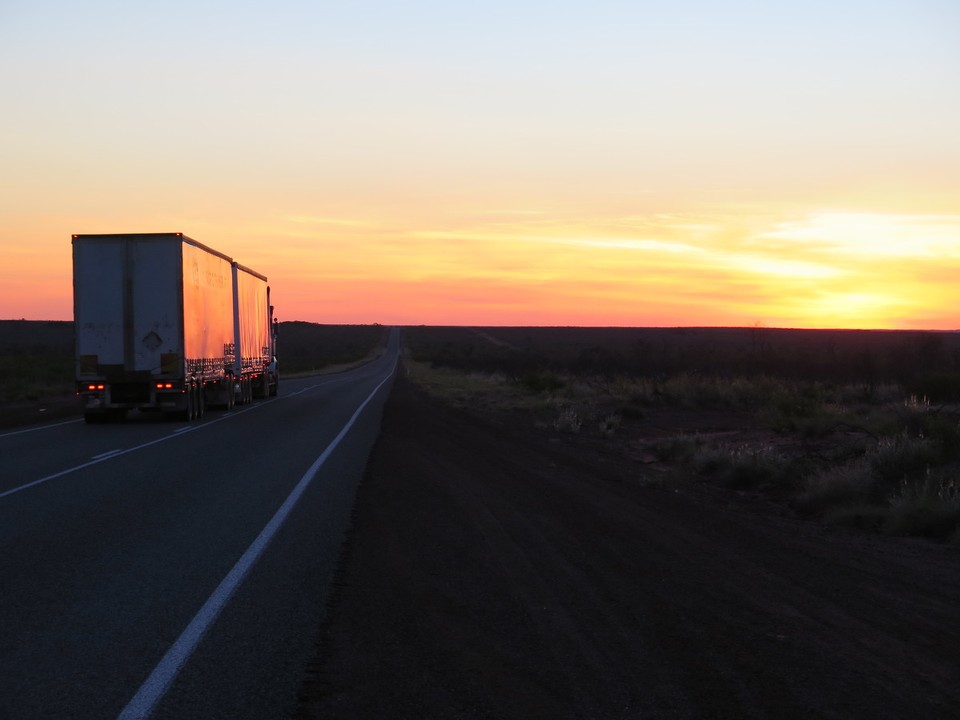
(582, 327)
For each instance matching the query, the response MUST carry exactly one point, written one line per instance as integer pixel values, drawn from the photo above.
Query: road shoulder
(491, 574)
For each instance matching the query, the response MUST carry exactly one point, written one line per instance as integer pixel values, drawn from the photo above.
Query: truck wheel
(187, 414)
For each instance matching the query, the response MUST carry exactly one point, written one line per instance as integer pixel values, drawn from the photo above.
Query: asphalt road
(177, 570)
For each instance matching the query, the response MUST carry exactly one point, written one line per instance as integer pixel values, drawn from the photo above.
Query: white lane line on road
(103, 457)
(163, 675)
(174, 434)
(318, 385)
(94, 461)
(108, 453)
(37, 429)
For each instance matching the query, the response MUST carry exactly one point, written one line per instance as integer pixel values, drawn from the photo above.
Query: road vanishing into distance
(174, 570)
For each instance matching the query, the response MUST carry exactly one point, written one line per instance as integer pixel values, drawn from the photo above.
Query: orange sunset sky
(791, 164)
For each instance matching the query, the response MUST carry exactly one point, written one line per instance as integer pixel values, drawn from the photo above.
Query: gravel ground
(498, 573)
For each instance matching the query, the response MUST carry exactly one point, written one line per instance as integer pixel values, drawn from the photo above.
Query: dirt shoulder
(493, 573)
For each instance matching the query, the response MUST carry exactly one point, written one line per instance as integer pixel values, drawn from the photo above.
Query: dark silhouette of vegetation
(305, 347)
(857, 427)
(36, 359)
(924, 363)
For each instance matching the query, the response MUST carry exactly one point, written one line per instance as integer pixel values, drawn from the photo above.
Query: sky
(608, 163)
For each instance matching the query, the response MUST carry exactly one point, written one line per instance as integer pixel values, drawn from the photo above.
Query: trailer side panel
(207, 311)
(254, 321)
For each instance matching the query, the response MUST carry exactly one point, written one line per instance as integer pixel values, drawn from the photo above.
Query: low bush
(901, 456)
(835, 486)
(929, 507)
(609, 424)
(747, 467)
(568, 420)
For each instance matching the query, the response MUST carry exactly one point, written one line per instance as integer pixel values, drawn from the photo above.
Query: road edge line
(154, 688)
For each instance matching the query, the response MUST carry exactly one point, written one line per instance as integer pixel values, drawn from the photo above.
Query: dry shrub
(746, 467)
(929, 508)
(609, 424)
(568, 420)
(900, 456)
(839, 485)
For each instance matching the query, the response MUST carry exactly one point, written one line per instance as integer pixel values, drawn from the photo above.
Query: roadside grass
(36, 359)
(748, 467)
(907, 484)
(928, 507)
(478, 389)
(31, 375)
(878, 458)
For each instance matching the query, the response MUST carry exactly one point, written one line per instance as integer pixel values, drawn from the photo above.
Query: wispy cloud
(782, 267)
(644, 244)
(824, 269)
(327, 221)
(872, 234)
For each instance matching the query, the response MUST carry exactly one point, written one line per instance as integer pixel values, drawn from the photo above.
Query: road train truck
(166, 324)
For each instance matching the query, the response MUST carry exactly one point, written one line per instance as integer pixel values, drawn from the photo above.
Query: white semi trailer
(164, 323)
